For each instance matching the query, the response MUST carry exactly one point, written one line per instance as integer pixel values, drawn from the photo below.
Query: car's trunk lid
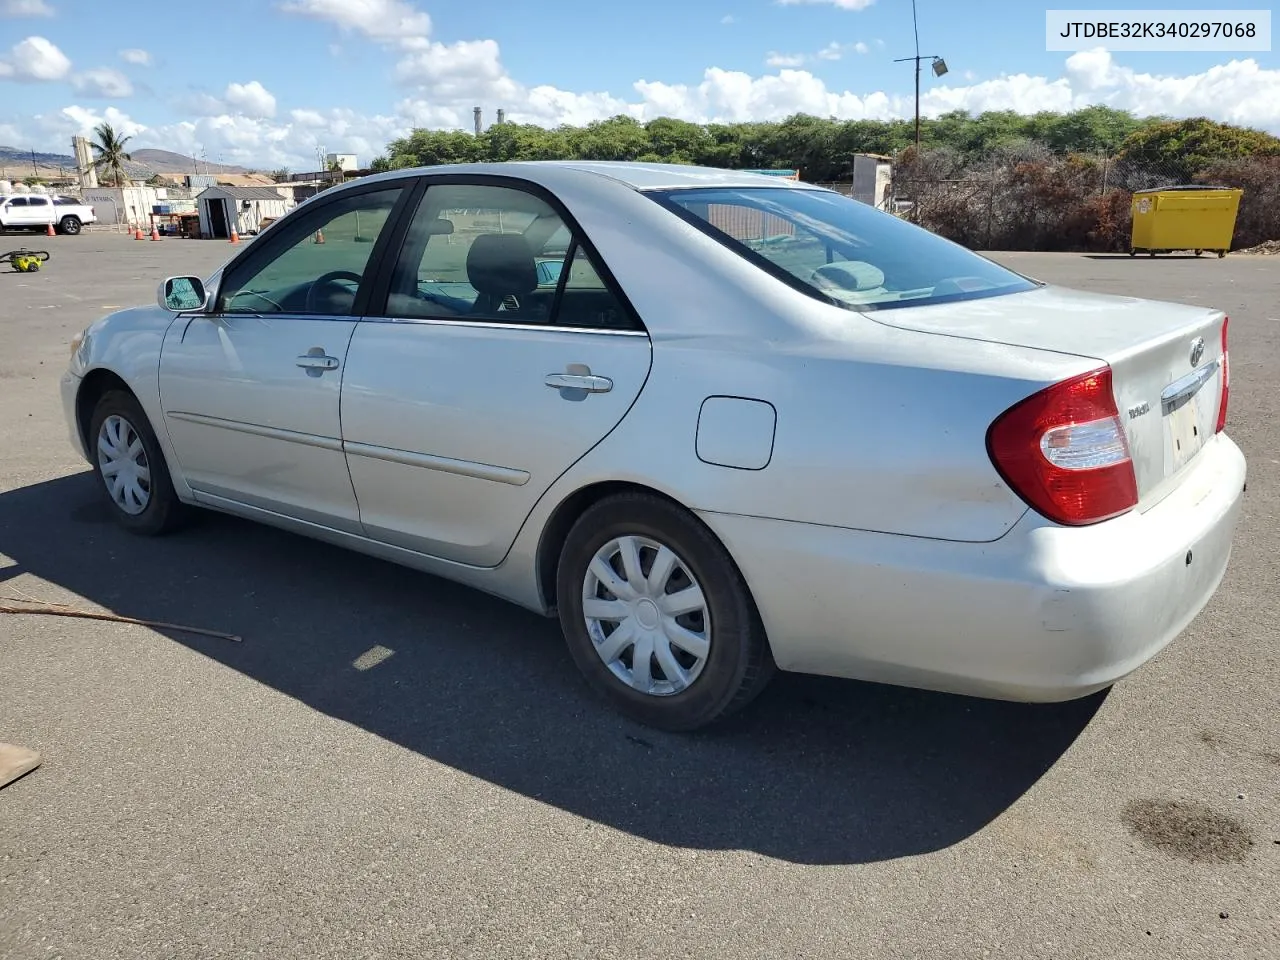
(1166, 361)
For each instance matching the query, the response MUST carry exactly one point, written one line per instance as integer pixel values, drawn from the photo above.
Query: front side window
(840, 249)
(38, 202)
(501, 254)
(314, 264)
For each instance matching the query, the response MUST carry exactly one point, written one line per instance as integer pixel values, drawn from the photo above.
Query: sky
(265, 83)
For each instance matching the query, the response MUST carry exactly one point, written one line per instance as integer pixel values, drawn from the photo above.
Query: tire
(737, 664)
(69, 225)
(162, 511)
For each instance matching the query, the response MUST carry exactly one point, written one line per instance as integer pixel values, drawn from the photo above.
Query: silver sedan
(717, 423)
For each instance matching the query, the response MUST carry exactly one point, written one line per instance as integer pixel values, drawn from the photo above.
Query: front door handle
(579, 381)
(311, 361)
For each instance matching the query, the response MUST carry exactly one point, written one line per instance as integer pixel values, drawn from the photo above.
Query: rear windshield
(840, 249)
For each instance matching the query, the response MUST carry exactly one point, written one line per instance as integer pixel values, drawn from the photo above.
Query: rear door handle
(312, 362)
(579, 381)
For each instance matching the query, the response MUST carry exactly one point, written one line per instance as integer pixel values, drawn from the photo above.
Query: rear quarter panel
(884, 431)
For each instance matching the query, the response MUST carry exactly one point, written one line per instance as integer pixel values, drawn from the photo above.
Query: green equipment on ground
(25, 261)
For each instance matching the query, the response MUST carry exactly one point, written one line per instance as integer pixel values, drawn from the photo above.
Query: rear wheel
(130, 467)
(656, 615)
(69, 225)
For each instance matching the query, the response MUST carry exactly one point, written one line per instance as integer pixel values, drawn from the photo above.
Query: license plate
(1182, 428)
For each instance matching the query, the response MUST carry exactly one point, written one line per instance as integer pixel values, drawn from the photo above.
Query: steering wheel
(328, 280)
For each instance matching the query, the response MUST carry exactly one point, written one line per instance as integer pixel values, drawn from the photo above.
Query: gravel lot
(295, 795)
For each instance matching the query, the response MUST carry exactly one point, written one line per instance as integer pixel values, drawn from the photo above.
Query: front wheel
(657, 616)
(69, 225)
(130, 467)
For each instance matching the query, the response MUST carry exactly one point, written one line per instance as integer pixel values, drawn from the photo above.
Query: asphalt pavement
(388, 765)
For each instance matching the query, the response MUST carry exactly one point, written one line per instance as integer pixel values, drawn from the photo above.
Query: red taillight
(1064, 451)
(1226, 380)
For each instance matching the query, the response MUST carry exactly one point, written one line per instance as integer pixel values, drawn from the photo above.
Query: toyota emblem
(1197, 351)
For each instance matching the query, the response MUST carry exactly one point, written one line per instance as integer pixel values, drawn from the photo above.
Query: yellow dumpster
(1184, 218)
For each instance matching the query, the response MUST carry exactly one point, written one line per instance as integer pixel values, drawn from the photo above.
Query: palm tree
(111, 154)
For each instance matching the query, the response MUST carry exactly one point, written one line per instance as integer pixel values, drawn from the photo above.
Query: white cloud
(25, 8)
(393, 22)
(35, 58)
(102, 82)
(785, 59)
(832, 51)
(139, 58)
(80, 121)
(251, 99)
(840, 4)
(727, 19)
(861, 48)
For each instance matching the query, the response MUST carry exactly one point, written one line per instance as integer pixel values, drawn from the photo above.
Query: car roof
(638, 176)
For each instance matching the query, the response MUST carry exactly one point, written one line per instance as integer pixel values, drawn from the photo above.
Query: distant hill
(166, 161)
(16, 164)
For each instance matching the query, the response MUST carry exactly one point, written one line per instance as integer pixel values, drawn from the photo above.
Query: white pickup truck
(34, 211)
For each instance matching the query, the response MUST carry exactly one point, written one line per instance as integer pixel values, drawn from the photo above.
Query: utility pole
(939, 68)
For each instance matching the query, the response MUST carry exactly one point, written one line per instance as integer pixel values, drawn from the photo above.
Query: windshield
(840, 249)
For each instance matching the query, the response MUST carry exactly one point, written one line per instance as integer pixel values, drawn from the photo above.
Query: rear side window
(840, 249)
(499, 254)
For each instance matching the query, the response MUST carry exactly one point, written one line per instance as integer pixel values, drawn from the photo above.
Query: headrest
(501, 263)
(848, 275)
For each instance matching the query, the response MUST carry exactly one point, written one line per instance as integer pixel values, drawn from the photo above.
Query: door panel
(251, 391)
(452, 433)
(249, 424)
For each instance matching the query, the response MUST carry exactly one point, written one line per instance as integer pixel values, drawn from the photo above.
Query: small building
(221, 208)
(342, 161)
(872, 179)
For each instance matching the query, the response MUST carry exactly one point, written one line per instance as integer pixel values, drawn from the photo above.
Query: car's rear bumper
(1045, 613)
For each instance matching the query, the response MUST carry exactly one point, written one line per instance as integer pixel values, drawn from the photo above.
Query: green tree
(1183, 148)
(109, 148)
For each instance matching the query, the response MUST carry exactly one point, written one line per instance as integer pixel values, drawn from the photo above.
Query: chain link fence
(1031, 198)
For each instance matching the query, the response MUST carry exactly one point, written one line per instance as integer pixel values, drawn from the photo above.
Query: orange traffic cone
(137, 234)
(235, 237)
(48, 232)
(319, 236)
(155, 234)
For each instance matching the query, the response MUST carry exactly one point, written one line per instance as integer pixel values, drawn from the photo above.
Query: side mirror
(181, 294)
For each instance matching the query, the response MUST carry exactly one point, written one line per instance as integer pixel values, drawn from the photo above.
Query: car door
(17, 212)
(250, 390)
(39, 211)
(480, 386)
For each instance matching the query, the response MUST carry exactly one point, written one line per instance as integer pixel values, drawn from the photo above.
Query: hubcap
(123, 462)
(646, 615)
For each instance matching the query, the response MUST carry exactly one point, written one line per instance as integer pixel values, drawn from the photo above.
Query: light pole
(939, 68)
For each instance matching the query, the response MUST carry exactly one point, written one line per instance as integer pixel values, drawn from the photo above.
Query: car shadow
(818, 771)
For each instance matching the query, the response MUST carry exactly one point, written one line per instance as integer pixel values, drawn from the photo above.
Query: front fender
(128, 344)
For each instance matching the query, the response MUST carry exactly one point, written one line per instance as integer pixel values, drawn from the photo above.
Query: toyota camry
(718, 424)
